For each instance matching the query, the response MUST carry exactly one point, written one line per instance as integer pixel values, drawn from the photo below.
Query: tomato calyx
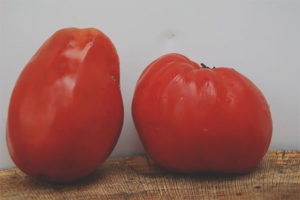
(205, 66)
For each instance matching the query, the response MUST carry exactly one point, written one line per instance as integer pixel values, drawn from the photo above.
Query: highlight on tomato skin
(193, 118)
(66, 111)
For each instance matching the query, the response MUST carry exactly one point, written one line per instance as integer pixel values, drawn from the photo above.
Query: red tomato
(193, 119)
(66, 109)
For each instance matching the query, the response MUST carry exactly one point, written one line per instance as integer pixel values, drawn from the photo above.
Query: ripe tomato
(193, 119)
(66, 111)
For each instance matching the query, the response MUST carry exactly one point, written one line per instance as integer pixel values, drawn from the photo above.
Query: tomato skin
(66, 111)
(194, 119)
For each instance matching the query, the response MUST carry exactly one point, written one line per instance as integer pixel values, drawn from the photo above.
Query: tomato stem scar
(205, 66)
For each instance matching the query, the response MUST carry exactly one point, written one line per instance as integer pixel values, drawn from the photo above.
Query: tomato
(66, 111)
(194, 119)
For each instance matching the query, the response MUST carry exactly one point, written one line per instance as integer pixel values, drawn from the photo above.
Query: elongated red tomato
(193, 119)
(66, 111)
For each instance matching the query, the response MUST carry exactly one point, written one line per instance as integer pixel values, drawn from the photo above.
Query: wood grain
(137, 177)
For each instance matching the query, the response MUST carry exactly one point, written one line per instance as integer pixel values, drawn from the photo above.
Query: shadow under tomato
(85, 181)
(207, 175)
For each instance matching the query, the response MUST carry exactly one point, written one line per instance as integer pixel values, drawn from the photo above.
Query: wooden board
(137, 177)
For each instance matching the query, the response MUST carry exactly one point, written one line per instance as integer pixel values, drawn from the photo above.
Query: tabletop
(138, 177)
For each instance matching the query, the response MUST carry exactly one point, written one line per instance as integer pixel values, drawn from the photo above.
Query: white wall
(259, 38)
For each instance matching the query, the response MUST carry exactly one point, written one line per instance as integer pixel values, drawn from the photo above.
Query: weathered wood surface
(137, 177)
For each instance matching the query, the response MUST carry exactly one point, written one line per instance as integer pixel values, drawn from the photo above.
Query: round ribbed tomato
(192, 118)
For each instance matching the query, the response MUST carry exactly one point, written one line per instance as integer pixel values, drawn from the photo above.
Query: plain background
(259, 38)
